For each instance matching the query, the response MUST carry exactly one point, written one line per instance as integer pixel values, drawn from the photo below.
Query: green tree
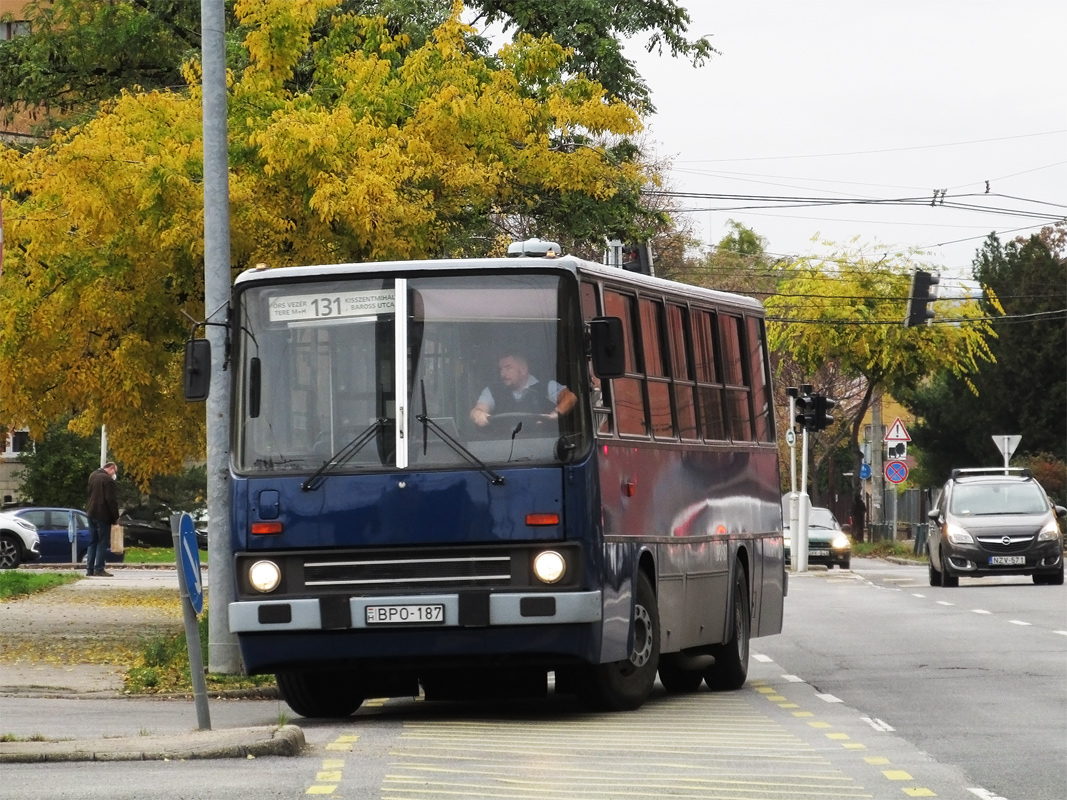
(80, 53)
(848, 309)
(55, 472)
(1023, 388)
(390, 154)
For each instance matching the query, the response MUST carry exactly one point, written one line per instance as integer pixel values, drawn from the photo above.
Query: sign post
(72, 537)
(191, 586)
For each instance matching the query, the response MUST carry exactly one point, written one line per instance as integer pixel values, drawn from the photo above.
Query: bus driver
(520, 392)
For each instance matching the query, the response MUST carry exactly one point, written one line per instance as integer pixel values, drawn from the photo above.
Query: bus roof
(571, 264)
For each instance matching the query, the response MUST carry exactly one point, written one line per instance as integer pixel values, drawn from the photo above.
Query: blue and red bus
(401, 526)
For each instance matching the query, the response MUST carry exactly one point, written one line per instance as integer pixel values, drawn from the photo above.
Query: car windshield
(983, 499)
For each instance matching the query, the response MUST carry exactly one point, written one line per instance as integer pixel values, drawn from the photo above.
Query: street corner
(252, 742)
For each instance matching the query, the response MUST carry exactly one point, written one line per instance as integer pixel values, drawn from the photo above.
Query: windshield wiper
(344, 455)
(447, 438)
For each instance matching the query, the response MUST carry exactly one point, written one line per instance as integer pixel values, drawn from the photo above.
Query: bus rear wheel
(730, 670)
(626, 685)
(330, 694)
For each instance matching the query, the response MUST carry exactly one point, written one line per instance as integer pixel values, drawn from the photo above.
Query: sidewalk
(45, 642)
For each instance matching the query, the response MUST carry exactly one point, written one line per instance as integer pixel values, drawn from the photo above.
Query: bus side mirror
(197, 369)
(608, 352)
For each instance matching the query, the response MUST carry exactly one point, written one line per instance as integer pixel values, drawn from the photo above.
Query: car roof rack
(1022, 472)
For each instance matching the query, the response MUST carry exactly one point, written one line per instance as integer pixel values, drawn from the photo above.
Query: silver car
(994, 521)
(18, 541)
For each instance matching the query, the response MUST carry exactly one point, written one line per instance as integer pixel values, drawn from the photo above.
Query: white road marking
(798, 679)
(945, 603)
(829, 698)
(763, 659)
(1020, 622)
(878, 724)
(980, 611)
(985, 794)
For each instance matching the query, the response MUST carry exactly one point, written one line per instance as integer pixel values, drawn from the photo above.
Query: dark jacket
(534, 400)
(103, 504)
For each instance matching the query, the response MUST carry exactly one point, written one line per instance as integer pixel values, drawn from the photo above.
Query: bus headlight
(264, 576)
(549, 566)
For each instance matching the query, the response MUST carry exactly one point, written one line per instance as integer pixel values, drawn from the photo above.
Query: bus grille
(375, 574)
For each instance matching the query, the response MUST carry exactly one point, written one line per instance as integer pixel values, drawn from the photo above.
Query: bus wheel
(320, 694)
(730, 669)
(676, 677)
(625, 685)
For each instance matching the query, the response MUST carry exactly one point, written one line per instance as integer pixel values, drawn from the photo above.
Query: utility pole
(877, 465)
(223, 653)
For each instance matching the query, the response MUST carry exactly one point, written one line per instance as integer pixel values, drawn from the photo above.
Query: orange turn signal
(542, 519)
(266, 528)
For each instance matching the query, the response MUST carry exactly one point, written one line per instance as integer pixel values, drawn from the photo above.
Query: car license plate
(428, 614)
(1007, 561)
(818, 552)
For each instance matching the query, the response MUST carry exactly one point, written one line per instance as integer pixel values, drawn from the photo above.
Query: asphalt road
(975, 675)
(880, 687)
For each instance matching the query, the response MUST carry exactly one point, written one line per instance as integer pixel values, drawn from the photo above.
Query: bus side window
(762, 403)
(600, 391)
(630, 413)
(683, 388)
(709, 383)
(737, 395)
(655, 368)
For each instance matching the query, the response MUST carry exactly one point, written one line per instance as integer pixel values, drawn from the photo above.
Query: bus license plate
(429, 614)
(1007, 560)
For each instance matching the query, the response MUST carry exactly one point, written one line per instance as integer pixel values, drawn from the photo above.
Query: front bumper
(467, 610)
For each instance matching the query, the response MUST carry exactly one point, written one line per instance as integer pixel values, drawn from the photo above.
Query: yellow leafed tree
(390, 152)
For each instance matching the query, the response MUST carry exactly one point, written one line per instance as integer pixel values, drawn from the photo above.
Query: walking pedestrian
(103, 512)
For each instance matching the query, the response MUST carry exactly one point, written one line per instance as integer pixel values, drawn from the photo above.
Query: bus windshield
(317, 373)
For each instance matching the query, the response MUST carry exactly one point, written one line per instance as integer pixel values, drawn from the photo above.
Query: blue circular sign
(865, 471)
(896, 471)
(190, 562)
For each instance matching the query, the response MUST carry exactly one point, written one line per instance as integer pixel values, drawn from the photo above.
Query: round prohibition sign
(896, 471)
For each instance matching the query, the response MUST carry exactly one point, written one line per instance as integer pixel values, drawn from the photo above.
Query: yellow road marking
(897, 775)
(876, 760)
(919, 792)
(838, 736)
(328, 777)
(819, 724)
(333, 763)
(321, 790)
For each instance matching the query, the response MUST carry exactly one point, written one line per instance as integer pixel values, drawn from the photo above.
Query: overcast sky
(869, 100)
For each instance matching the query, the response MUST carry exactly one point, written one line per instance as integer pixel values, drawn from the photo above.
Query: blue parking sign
(190, 562)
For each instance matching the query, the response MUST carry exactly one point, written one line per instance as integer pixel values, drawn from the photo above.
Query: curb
(287, 740)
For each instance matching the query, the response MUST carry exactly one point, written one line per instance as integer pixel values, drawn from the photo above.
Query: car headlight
(264, 576)
(958, 535)
(840, 542)
(549, 566)
(1049, 533)
(33, 528)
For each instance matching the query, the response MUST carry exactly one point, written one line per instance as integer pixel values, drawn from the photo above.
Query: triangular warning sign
(897, 433)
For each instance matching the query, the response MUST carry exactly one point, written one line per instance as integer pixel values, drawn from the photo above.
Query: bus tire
(626, 685)
(730, 670)
(332, 695)
(676, 677)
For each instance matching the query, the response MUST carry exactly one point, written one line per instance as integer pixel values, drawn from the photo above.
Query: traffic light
(919, 299)
(806, 411)
(822, 419)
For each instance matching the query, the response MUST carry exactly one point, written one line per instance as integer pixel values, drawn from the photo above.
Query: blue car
(52, 528)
